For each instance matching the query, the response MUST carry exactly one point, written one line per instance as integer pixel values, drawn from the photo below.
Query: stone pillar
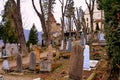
(76, 62)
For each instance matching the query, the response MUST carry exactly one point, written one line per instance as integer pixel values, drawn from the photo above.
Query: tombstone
(37, 52)
(19, 63)
(8, 49)
(76, 62)
(62, 45)
(32, 63)
(68, 46)
(82, 40)
(101, 37)
(86, 57)
(5, 65)
(4, 52)
(15, 48)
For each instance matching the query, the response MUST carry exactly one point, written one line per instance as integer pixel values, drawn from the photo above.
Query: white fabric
(5, 65)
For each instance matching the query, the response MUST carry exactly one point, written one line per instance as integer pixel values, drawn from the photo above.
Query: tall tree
(63, 10)
(112, 34)
(90, 6)
(33, 36)
(46, 7)
(78, 20)
(69, 14)
(18, 23)
(8, 27)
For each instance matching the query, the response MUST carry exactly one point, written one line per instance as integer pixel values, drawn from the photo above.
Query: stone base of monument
(48, 66)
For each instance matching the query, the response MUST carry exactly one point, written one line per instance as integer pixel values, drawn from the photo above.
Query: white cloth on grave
(86, 64)
(5, 65)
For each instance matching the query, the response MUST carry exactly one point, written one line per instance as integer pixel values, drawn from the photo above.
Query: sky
(30, 17)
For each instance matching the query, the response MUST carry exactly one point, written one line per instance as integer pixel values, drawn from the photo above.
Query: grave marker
(19, 63)
(86, 57)
(32, 63)
(76, 62)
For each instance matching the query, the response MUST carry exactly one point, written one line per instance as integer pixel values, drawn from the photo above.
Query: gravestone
(19, 63)
(5, 65)
(76, 62)
(68, 46)
(45, 65)
(62, 45)
(8, 49)
(101, 37)
(86, 57)
(83, 39)
(15, 49)
(32, 63)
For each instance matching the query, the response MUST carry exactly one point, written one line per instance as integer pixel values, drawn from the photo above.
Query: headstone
(62, 45)
(15, 48)
(68, 46)
(32, 63)
(19, 63)
(86, 57)
(37, 52)
(4, 52)
(83, 39)
(45, 65)
(101, 37)
(5, 65)
(76, 62)
(8, 49)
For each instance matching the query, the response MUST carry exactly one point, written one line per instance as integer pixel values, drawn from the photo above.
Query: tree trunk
(18, 22)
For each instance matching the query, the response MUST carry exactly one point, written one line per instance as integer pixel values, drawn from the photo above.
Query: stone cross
(76, 62)
(32, 63)
(19, 63)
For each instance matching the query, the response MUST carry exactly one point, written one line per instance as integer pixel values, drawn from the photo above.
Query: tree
(33, 36)
(112, 34)
(63, 10)
(90, 6)
(69, 13)
(16, 16)
(46, 7)
(7, 25)
(78, 20)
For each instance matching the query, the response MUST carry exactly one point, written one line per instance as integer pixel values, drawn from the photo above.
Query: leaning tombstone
(76, 62)
(19, 63)
(86, 57)
(32, 63)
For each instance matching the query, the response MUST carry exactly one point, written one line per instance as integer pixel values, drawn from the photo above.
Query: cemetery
(59, 40)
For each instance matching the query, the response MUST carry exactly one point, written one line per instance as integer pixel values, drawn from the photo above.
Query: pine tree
(33, 36)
